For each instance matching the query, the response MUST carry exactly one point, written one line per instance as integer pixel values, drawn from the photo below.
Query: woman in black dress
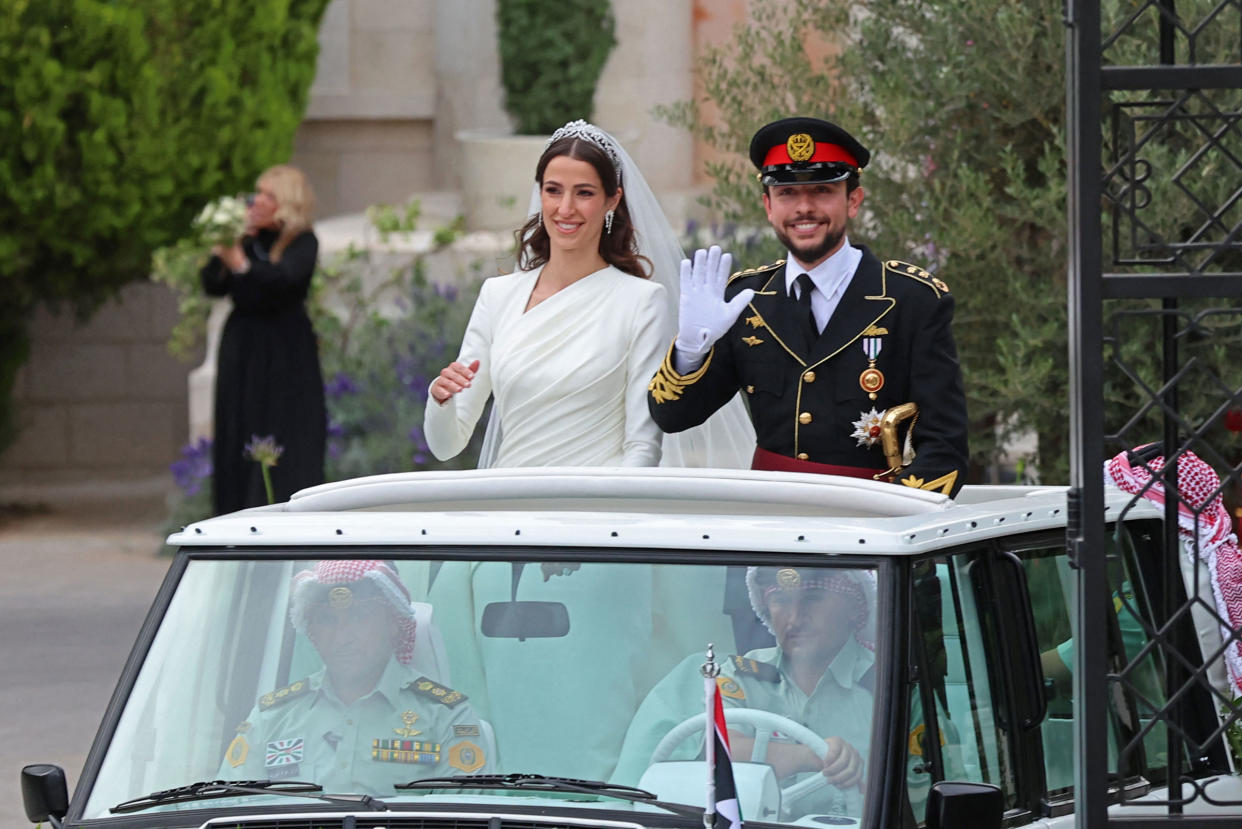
(268, 380)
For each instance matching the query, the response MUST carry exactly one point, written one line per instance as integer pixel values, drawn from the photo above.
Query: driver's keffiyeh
(1201, 517)
(343, 572)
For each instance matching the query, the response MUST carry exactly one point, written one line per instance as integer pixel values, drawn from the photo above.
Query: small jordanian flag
(283, 752)
(721, 791)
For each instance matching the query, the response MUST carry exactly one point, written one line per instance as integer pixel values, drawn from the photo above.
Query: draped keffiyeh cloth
(365, 576)
(1198, 488)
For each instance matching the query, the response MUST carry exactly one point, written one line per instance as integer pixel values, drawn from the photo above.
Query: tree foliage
(118, 121)
(962, 103)
(551, 56)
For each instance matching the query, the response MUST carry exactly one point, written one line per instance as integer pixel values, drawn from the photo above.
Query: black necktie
(805, 315)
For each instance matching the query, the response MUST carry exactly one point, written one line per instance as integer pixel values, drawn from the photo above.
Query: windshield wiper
(211, 789)
(539, 782)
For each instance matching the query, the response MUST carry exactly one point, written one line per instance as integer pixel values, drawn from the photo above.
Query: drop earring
(608, 222)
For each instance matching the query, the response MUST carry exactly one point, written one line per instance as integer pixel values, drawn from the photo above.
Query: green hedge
(551, 56)
(117, 122)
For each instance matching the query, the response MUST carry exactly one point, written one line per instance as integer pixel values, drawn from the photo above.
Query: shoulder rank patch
(755, 668)
(282, 695)
(763, 269)
(730, 688)
(238, 751)
(918, 274)
(432, 690)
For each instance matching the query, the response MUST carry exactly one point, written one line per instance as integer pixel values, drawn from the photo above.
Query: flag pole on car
(722, 809)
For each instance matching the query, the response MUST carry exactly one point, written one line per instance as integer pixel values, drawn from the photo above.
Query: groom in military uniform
(829, 346)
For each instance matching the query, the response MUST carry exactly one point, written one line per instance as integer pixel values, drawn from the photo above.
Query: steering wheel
(764, 723)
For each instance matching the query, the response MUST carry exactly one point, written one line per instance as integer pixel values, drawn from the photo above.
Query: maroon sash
(773, 462)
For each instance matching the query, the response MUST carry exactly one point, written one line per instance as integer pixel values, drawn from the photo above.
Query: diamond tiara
(589, 132)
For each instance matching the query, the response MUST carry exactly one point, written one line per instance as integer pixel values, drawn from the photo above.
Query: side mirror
(45, 794)
(525, 620)
(960, 805)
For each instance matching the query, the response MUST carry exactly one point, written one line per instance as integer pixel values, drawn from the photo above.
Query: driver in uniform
(818, 675)
(365, 721)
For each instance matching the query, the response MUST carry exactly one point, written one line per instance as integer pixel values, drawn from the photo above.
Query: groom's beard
(811, 251)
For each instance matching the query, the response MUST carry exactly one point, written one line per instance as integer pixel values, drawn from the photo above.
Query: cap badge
(788, 578)
(340, 598)
(800, 147)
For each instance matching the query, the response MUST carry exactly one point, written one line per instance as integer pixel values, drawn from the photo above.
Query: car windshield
(358, 675)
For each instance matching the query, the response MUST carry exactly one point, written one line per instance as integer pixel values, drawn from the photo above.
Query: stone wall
(102, 399)
(367, 135)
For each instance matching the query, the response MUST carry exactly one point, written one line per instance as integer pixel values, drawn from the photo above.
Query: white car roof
(718, 509)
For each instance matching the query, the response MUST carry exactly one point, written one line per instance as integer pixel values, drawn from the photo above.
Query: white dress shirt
(831, 277)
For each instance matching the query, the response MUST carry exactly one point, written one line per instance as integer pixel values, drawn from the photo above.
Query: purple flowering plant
(193, 469)
(264, 451)
(190, 499)
(391, 327)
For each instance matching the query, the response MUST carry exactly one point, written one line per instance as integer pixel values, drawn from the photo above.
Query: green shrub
(551, 56)
(117, 122)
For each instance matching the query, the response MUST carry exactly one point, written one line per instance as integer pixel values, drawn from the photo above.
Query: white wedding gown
(569, 376)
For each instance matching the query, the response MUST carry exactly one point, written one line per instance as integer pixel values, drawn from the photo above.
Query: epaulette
(918, 274)
(755, 668)
(434, 690)
(282, 695)
(763, 269)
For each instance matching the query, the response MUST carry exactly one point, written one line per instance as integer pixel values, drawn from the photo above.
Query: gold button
(809, 377)
(750, 389)
(804, 418)
(802, 456)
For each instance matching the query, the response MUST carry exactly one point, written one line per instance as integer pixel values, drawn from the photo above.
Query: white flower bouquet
(221, 222)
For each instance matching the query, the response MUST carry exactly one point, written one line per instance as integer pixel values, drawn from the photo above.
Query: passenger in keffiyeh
(366, 719)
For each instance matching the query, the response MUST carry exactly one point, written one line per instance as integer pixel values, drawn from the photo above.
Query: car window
(954, 675)
(359, 674)
(1051, 581)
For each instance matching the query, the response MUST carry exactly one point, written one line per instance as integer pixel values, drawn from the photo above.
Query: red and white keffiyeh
(1198, 488)
(380, 574)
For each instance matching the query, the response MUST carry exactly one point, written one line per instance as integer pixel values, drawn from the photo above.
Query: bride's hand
(703, 315)
(453, 378)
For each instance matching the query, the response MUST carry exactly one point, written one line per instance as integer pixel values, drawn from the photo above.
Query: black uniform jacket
(808, 400)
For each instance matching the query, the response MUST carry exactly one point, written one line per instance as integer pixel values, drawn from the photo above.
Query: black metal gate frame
(1188, 268)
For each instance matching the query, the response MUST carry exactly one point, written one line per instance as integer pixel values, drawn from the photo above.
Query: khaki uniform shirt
(408, 728)
(839, 706)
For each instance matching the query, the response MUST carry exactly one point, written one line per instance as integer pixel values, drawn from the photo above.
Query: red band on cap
(824, 151)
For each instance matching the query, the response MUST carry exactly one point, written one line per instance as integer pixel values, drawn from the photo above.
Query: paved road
(73, 594)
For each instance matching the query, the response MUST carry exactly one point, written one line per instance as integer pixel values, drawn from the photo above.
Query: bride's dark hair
(619, 248)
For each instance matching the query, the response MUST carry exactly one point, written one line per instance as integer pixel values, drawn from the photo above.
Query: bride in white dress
(567, 346)
(568, 343)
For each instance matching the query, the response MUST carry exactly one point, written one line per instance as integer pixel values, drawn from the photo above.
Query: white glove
(703, 316)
